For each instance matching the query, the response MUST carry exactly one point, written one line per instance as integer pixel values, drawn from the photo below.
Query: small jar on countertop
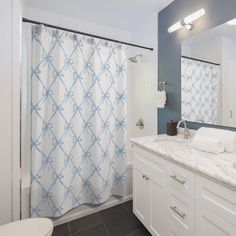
(171, 129)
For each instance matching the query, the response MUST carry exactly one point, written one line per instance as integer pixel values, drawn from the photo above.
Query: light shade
(232, 22)
(190, 19)
(175, 27)
(187, 21)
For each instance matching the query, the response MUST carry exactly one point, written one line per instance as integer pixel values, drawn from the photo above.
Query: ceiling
(119, 14)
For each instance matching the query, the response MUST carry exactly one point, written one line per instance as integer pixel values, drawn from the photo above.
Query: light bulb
(189, 26)
(175, 27)
(232, 22)
(191, 18)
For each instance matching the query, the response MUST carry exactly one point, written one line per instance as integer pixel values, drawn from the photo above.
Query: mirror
(208, 76)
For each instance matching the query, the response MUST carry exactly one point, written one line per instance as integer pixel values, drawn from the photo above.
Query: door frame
(16, 78)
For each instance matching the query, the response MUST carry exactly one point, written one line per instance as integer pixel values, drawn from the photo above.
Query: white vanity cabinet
(173, 201)
(216, 209)
(209, 223)
(149, 197)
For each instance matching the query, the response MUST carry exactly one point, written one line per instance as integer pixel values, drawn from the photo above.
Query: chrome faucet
(186, 130)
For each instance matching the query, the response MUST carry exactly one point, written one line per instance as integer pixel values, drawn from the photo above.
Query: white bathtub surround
(219, 167)
(86, 210)
(227, 137)
(208, 144)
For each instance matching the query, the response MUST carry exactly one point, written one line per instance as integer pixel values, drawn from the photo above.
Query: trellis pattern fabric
(200, 91)
(79, 112)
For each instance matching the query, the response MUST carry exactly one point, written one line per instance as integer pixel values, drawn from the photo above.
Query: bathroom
(150, 82)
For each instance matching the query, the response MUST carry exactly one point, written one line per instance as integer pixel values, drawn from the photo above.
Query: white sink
(173, 145)
(169, 141)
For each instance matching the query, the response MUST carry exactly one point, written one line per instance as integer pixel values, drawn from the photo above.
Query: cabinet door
(150, 194)
(140, 196)
(157, 205)
(208, 223)
(181, 213)
(175, 230)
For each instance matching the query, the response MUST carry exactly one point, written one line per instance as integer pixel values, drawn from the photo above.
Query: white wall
(10, 110)
(143, 85)
(6, 112)
(72, 23)
(228, 82)
(186, 51)
(210, 50)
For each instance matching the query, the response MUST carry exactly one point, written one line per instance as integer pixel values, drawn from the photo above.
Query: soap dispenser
(171, 129)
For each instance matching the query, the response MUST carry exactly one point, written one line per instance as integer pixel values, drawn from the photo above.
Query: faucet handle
(140, 124)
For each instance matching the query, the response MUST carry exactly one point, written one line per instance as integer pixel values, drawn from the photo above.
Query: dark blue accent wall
(169, 48)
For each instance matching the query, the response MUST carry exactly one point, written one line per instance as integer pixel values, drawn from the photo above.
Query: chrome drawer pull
(174, 177)
(182, 215)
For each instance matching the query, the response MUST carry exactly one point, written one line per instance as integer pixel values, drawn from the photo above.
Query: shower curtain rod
(195, 59)
(86, 34)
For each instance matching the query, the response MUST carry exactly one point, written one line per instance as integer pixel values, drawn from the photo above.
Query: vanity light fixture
(187, 22)
(232, 22)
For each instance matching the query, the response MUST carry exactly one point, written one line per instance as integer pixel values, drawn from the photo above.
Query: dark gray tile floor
(115, 221)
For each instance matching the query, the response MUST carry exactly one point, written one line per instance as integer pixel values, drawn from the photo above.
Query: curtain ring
(89, 40)
(39, 27)
(74, 37)
(105, 43)
(119, 46)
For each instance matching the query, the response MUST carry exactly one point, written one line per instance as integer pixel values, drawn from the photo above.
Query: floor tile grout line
(108, 233)
(132, 214)
(88, 227)
(68, 225)
(132, 232)
(104, 224)
(126, 208)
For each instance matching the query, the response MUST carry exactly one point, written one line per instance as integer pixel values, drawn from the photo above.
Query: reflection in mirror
(208, 76)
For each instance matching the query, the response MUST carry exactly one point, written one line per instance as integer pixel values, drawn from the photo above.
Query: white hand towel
(208, 144)
(161, 99)
(227, 137)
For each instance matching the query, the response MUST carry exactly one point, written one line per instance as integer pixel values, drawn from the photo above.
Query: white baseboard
(79, 212)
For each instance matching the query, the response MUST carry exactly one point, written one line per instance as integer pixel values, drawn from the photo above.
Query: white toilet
(28, 227)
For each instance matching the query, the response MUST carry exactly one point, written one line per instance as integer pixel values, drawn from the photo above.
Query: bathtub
(80, 211)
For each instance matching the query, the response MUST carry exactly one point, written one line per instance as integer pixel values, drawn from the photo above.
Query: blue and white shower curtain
(79, 112)
(200, 91)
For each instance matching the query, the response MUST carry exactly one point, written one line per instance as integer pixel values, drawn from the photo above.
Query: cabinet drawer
(141, 164)
(175, 230)
(150, 170)
(181, 179)
(148, 156)
(181, 212)
(208, 223)
(217, 198)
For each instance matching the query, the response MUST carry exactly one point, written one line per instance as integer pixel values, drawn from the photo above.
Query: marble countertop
(220, 167)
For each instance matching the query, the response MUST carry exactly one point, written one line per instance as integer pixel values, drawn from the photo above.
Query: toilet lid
(29, 227)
